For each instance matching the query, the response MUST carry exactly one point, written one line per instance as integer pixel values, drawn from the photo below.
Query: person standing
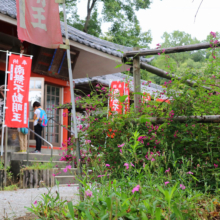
(22, 140)
(37, 126)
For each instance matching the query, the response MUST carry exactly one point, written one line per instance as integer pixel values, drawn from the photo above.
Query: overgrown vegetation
(145, 170)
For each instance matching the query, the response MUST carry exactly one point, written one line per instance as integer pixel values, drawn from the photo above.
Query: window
(53, 99)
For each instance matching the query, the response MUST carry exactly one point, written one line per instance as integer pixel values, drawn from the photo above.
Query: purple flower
(167, 171)
(215, 165)
(136, 188)
(132, 164)
(126, 165)
(89, 95)
(189, 172)
(35, 202)
(107, 165)
(166, 183)
(122, 145)
(182, 186)
(88, 193)
(121, 151)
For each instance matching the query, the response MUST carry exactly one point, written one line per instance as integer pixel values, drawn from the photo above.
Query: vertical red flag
(127, 100)
(38, 22)
(117, 90)
(17, 111)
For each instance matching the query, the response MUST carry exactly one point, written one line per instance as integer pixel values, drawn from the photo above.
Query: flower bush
(143, 169)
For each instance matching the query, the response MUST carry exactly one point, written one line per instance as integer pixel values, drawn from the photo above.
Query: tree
(111, 10)
(128, 33)
(179, 38)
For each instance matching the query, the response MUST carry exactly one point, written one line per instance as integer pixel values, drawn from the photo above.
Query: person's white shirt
(37, 113)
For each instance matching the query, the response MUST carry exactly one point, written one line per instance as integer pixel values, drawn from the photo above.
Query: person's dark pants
(38, 130)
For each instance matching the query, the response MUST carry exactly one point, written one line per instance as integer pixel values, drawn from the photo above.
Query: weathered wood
(166, 75)
(137, 82)
(1, 179)
(26, 179)
(203, 119)
(44, 177)
(21, 181)
(168, 50)
(48, 178)
(31, 178)
(36, 181)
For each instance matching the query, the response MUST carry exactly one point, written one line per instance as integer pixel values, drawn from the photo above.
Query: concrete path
(13, 203)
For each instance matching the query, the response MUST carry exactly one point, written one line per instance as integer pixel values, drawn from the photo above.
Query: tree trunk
(89, 11)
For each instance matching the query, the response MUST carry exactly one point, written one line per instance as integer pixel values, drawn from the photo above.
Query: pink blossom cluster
(215, 165)
(136, 189)
(141, 139)
(88, 193)
(182, 186)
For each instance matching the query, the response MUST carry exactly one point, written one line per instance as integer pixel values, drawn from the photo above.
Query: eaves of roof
(8, 7)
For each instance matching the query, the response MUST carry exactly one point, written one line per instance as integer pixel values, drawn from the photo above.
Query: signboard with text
(17, 108)
(38, 22)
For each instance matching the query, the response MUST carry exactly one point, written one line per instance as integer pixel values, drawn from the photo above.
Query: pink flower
(166, 183)
(100, 175)
(213, 34)
(152, 159)
(167, 171)
(215, 165)
(126, 165)
(132, 164)
(35, 202)
(136, 188)
(107, 165)
(89, 95)
(189, 172)
(214, 57)
(193, 125)
(182, 186)
(67, 167)
(68, 185)
(158, 53)
(121, 151)
(88, 193)
(53, 174)
(143, 165)
(122, 145)
(87, 141)
(163, 50)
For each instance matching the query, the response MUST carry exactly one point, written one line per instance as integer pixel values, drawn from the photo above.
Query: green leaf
(108, 202)
(119, 65)
(122, 98)
(144, 216)
(138, 93)
(158, 214)
(70, 207)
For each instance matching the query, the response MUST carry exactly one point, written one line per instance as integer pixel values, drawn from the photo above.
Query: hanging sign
(17, 108)
(38, 22)
(127, 100)
(117, 90)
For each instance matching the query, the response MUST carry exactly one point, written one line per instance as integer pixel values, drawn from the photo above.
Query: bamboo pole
(169, 50)
(166, 75)
(137, 81)
(199, 119)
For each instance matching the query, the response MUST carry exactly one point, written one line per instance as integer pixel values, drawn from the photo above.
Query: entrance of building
(53, 99)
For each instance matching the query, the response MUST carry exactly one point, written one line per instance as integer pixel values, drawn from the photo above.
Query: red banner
(127, 100)
(38, 22)
(117, 90)
(17, 111)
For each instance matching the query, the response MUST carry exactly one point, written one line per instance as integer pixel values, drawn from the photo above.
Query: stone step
(66, 179)
(70, 172)
(34, 156)
(57, 164)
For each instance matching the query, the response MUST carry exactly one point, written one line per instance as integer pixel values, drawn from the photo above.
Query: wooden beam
(168, 50)
(167, 75)
(200, 119)
(137, 82)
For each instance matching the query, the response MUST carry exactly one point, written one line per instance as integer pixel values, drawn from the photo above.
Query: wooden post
(137, 81)
(6, 150)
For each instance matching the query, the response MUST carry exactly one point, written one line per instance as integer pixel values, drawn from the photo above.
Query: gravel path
(13, 202)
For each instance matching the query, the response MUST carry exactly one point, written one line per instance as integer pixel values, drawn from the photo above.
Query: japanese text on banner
(17, 111)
